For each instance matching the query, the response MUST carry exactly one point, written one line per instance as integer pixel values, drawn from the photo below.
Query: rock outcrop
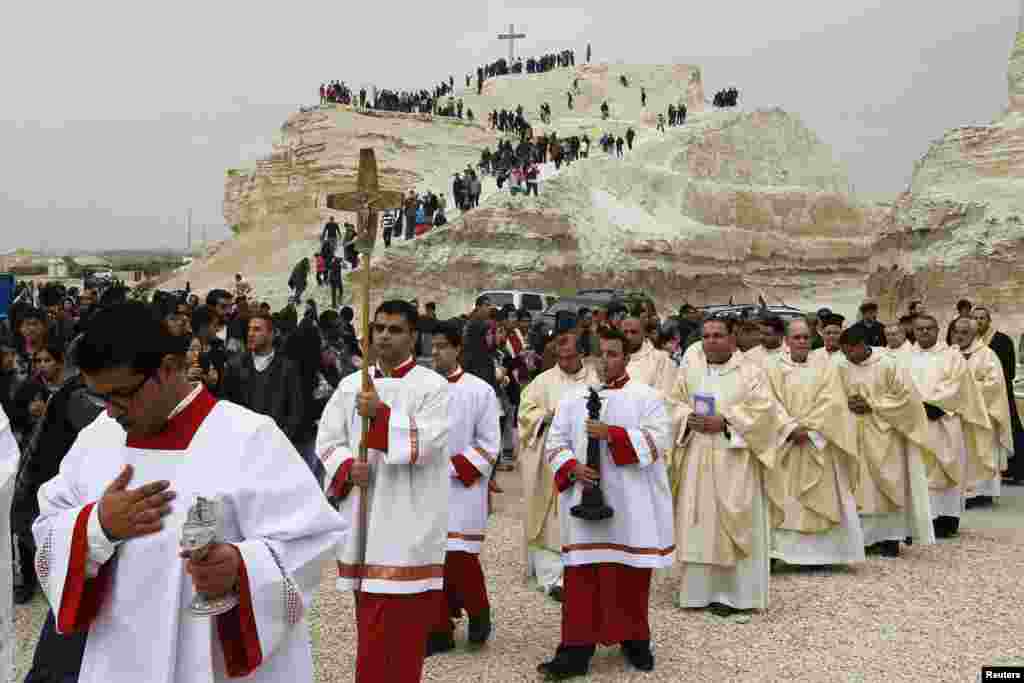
(958, 231)
(733, 204)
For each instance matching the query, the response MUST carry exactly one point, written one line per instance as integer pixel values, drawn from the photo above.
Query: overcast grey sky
(117, 117)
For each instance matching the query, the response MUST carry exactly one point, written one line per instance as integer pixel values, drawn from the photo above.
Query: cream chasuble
(942, 379)
(724, 503)
(821, 525)
(817, 354)
(132, 597)
(984, 474)
(542, 545)
(652, 367)
(892, 443)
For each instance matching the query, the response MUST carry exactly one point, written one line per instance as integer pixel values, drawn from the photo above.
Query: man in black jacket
(266, 382)
(873, 329)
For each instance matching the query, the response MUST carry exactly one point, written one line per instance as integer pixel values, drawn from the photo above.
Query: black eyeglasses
(120, 398)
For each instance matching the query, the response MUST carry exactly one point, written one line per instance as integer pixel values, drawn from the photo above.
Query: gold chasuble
(536, 411)
(820, 524)
(892, 445)
(987, 450)
(723, 507)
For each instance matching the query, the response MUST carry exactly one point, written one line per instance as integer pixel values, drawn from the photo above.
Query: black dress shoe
(569, 662)
(720, 610)
(638, 653)
(479, 629)
(889, 548)
(556, 593)
(439, 643)
(24, 594)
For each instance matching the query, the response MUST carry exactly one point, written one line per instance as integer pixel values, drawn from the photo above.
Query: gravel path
(936, 614)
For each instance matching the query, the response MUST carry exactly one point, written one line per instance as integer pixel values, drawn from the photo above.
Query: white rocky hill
(733, 204)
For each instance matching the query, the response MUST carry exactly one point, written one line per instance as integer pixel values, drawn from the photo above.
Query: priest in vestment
(831, 327)
(730, 432)
(1002, 345)
(817, 458)
(542, 539)
(110, 524)
(986, 448)
(647, 365)
(892, 444)
(896, 339)
(394, 560)
(474, 441)
(608, 562)
(748, 340)
(952, 399)
(773, 337)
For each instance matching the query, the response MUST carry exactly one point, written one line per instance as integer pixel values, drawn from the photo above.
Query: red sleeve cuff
(340, 485)
(562, 480)
(82, 597)
(620, 447)
(464, 470)
(377, 439)
(239, 638)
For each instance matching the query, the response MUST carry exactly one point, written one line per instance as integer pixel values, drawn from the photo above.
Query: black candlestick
(593, 508)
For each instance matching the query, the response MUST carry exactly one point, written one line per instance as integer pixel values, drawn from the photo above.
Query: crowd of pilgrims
(901, 428)
(432, 100)
(728, 97)
(532, 65)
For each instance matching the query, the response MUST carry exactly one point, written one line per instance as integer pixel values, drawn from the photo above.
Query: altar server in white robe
(541, 539)
(474, 441)
(110, 522)
(725, 506)
(892, 445)
(608, 562)
(397, 569)
(817, 458)
(951, 398)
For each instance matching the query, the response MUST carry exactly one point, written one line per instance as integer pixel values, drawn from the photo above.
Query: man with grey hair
(816, 456)
(951, 399)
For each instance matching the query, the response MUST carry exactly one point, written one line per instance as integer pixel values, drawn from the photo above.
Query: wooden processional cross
(511, 37)
(365, 201)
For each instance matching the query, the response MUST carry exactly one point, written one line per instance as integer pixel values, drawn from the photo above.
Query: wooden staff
(365, 202)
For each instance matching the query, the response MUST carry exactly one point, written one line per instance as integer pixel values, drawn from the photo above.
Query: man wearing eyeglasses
(124, 491)
(394, 560)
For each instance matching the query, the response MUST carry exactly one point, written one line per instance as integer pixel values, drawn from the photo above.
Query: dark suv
(592, 299)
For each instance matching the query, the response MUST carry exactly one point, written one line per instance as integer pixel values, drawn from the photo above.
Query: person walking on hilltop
(630, 134)
(643, 97)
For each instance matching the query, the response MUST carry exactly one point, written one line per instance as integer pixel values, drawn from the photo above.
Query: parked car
(746, 310)
(533, 301)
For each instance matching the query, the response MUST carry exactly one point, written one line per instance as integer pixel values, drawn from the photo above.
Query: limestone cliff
(733, 204)
(958, 231)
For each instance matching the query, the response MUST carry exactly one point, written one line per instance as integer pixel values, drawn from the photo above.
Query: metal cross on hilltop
(511, 37)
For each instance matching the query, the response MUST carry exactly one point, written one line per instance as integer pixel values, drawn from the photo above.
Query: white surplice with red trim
(633, 477)
(474, 441)
(131, 595)
(408, 455)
